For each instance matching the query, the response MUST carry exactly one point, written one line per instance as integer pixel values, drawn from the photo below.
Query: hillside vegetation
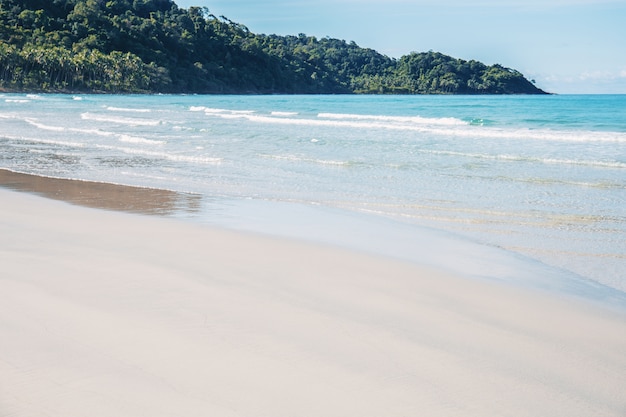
(150, 46)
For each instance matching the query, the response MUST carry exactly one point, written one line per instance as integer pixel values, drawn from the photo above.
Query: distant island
(154, 46)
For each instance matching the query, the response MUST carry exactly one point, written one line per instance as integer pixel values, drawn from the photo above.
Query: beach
(108, 313)
(538, 177)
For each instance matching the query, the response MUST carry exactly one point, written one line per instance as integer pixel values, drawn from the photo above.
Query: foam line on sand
(114, 314)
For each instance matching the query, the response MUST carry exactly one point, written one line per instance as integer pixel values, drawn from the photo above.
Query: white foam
(211, 110)
(16, 100)
(295, 158)
(284, 113)
(520, 158)
(97, 132)
(146, 176)
(164, 155)
(604, 164)
(130, 110)
(535, 134)
(366, 123)
(138, 140)
(121, 137)
(42, 126)
(45, 141)
(120, 120)
(447, 121)
(445, 126)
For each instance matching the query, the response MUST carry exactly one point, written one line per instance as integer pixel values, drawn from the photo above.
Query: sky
(566, 46)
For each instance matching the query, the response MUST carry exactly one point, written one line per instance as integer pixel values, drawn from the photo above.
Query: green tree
(155, 46)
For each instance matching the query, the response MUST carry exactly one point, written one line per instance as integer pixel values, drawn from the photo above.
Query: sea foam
(139, 140)
(163, 155)
(129, 110)
(119, 120)
(447, 121)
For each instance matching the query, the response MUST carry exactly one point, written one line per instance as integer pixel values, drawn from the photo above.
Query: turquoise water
(543, 178)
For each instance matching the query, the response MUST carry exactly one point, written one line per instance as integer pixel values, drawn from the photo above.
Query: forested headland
(154, 46)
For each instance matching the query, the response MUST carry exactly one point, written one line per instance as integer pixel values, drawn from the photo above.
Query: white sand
(109, 314)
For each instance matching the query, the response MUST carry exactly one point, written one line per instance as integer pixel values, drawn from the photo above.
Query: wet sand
(106, 313)
(102, 195)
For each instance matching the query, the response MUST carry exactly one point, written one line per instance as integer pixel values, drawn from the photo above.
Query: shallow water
(542, 177)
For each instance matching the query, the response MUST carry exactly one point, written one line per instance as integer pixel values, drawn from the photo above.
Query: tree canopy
(149, 46)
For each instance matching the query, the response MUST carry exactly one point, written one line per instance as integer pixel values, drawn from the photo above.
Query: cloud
(587, 76)
(588, 82)
(413, 3)
(602, 76)
(482, 3)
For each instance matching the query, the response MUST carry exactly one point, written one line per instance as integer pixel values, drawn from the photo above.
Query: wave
(179, 128)
(122, 137)
(307, 122)
(138, 140)
(539, 134)
(442, 126)
(42, 126)
(129, 110)
(211, 110)
(163, 155)
(520, 158)
(120, 120)
(44, 141)
(23, 99)
(295, 158)
(603, 164)
(604, 185)
(96, 132)
(334, 119)
(447, 121)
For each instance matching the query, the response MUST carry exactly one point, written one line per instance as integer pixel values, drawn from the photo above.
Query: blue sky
(567, 46)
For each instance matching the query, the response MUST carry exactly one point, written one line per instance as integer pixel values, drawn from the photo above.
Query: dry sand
(114, 314)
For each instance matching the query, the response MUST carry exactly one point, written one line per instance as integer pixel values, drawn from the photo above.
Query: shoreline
(335, 228)
(109, 313)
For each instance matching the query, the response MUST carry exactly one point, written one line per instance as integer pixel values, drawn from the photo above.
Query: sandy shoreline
(102, 195)
(113, 314)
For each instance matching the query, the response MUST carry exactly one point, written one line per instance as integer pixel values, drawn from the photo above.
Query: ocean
(485, 185)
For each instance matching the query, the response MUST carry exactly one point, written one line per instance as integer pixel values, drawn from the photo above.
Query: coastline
(326, 226)
(107, 313)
